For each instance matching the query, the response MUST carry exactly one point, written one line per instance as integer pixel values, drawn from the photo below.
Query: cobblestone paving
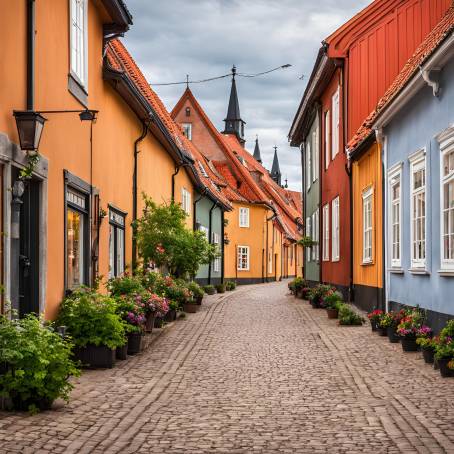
(254, 372)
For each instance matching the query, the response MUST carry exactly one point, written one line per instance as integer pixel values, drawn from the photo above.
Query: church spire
(257, 151)
(233, 122)
(275, 169)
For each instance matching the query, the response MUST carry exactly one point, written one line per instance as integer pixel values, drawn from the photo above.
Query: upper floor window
(395, 216)
(326, 144)
(418, 211)
(326, 233)
(447, 206)
(308, 164)
(186, 200)
(335, 247)
(335, 125)
(187, 130)
(116, 243)
(244, 217)
(367, 225)
(315, 156)
(78, 41)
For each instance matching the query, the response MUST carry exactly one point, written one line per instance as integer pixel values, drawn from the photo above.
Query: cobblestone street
(253, 371)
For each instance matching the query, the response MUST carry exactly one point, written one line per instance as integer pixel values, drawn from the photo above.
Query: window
(418, 211)
(187, 130)
(315, 235)
(326, 233)
(186, 200)
(270, 262)
(335, 125)
(243, 258)
(315, 157)
(327, 144)
(205, 230)
(308, 234)
(447, 206)
(79, 48)
(395, 216)
(335, 249)
(77, 231)
(244, 217)
(367, 225)
(308, 164)
(116, 243)
(217, 260)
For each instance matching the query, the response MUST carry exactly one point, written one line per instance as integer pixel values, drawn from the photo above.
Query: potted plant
(408, 329)
(317, 293)
(428, 347)
(94, 325)
(220, 288)
(374, 318)
(348, 317)
(305, 293)
(230, 285)
(331, 302)
(162, 308)
(197, 292)
(444, 350)
(209, 289)
(172, 312)
(36, 363)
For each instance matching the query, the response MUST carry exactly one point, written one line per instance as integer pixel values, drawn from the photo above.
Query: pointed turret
(233, 122)
(257, 151)
(275, 169)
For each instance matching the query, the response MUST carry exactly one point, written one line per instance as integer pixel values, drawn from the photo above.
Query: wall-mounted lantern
(30, 126)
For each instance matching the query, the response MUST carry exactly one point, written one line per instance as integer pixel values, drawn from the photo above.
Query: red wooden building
(354, 67)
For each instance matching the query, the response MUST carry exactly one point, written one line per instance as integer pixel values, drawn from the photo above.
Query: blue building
(414, 122)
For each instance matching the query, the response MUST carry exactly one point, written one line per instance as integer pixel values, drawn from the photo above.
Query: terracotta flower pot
(150, 322)
(134, 343)
(332, 313)
(445, 371)
(190, 308)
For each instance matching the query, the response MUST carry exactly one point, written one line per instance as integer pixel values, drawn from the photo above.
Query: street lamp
(30, 126)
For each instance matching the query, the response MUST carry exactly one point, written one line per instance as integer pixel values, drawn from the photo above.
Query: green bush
(91, 318)
(195, 289)
(124, 285)
(38, 364)
(296, 284)
(445, 346)
(332, 300)
(348, 316)
(230, 285)
(220, 288)
(209, 289)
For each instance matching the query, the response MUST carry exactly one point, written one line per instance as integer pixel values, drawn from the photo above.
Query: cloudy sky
(204, 38)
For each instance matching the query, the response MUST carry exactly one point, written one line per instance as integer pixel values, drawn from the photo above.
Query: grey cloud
(203, 38)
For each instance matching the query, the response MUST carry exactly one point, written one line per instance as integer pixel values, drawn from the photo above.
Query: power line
(201, 81)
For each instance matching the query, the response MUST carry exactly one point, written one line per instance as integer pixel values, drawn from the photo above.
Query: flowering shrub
(317, 293)
(410, 325)
(445, 347)
(425, 332)
(428, 343)
(331, 299)
(348, 316)
(124, 285)
(391, 318)
(131, 309)
(375, 315)
(296, 284)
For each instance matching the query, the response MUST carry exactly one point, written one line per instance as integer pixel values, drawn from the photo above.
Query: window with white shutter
(335, 125)
(326, 233)
(335, 249)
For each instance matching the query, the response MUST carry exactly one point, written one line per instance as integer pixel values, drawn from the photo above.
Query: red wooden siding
(376, 58)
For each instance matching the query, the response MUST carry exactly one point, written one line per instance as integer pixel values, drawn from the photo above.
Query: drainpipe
(210, 235)
(222, 245)
(177, 171)
(303, 174)
(31, 54)
(267, 248)
(134, 194)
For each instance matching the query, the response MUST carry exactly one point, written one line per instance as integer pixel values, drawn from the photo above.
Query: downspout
(31, 14)
(177, 171)
(303, 173)
(350, 186)
(196, 201)
(222, 245)
(134, 194)
(320, 205)
(210, 235)
(267, 247)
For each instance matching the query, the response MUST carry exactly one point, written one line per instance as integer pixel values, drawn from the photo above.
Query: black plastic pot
(134, 343)
(122, 352)
(171, 315)
(42, 404)
(409, 344)
(444, 369)
(373, 325)
(158, 322)
(392, 335)
(93, 356)
(428, 355)
(315, 303)
(382, 331)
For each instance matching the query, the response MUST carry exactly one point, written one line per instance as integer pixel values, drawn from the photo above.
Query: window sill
(420, 271)
(396, 270)
(368, 263)
(335, 260)
(446, 273)
(77, 90)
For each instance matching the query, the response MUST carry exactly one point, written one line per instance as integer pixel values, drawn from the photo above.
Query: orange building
(107, 139)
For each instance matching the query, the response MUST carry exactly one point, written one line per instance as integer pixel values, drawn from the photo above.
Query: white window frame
(335, 125)
(308, 164)
(217, 260)
(327, 136)
(335, 246)
(315, 157)
(242, 251)
(186, 201)
(418, 162)
(326, 226)
(446, 141)
(316, 234)
(78, 37)
(394, 177)
(243, 217)
(368, 225)
(187, 130)
(308, 234)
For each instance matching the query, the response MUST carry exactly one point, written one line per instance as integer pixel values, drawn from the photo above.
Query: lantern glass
(29, 127)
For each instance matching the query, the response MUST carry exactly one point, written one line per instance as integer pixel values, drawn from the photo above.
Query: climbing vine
(32, 161)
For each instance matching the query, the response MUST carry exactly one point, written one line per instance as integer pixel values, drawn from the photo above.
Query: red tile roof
(422, 53)
(120, 59)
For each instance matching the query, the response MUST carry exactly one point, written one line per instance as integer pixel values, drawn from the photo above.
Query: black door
(29, 249)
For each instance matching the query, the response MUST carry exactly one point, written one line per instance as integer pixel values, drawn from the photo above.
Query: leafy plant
(445, 347)
(375, 315)
(209, 289)
(195, 289)
(220, 288)
(307, 241)
(230, 285)
(38, 363)
(317, 293)
(296, 284)
(131, 310)
(332, 299)
(125, 285)
(91, 318)
(347, 316)
(410, 324)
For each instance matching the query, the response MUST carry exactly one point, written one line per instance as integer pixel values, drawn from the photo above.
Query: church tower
(233, 122)
(275, 170)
